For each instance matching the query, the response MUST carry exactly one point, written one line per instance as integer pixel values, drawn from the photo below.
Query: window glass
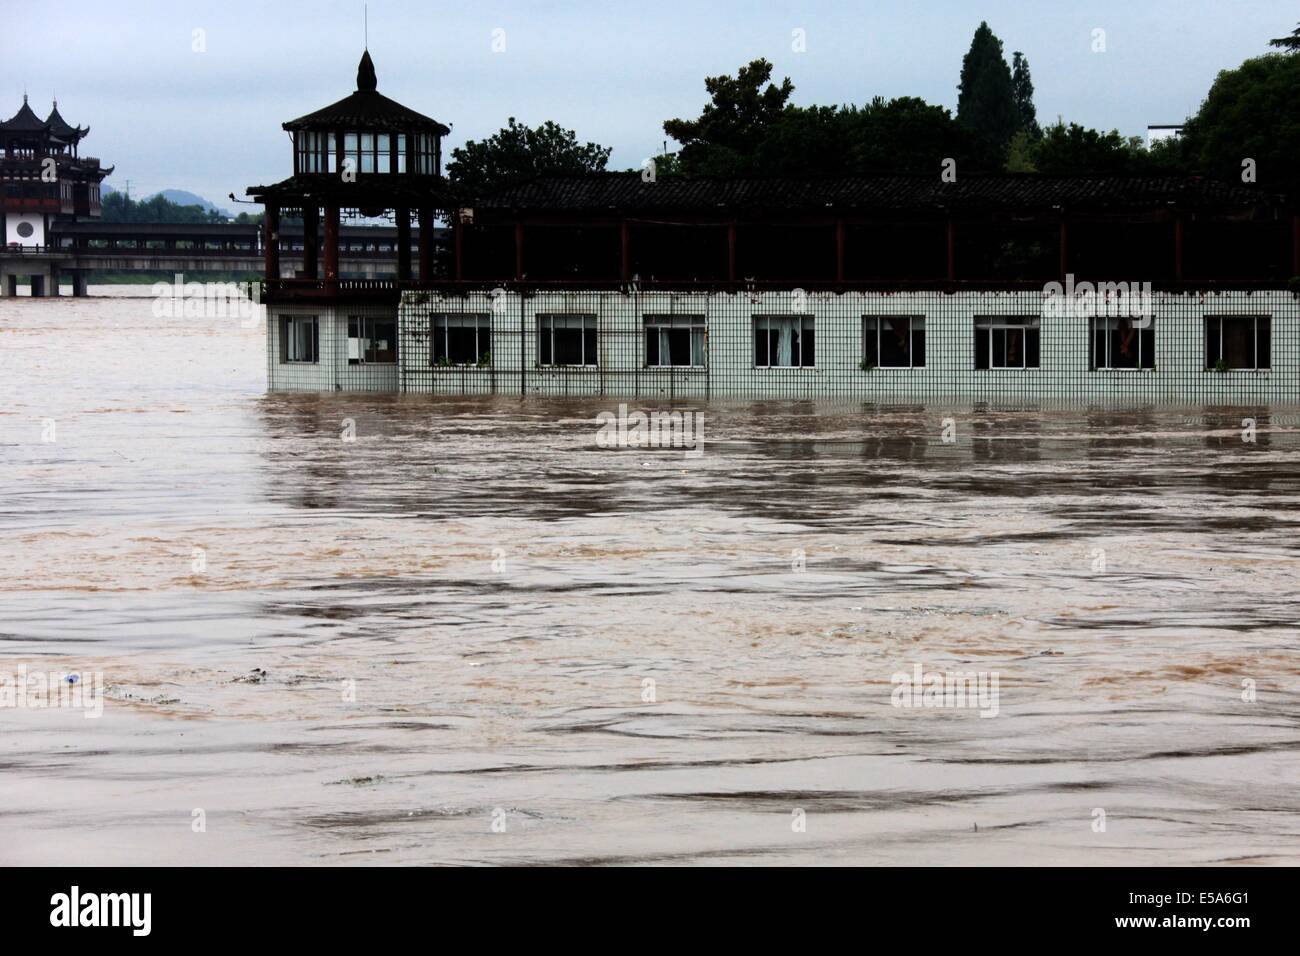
(784, 341)
(675, 341)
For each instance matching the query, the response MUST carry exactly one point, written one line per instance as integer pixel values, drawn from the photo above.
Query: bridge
(79, 248)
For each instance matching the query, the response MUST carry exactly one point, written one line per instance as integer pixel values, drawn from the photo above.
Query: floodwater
(474, 636)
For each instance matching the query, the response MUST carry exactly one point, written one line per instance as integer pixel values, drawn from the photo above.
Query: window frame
(696, 327)
(482, 326)
(807, 323)
(286, 324)
(1145, 334)
(1008, 323)
(912, 330)
(547, 336)
(1210, 366)
(367, 326)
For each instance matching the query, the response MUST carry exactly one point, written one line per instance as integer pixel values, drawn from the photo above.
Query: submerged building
(879, 287)
(44, 181)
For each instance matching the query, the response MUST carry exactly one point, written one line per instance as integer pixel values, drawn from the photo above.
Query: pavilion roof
(61, 128)
(367, 109)
(24, 121)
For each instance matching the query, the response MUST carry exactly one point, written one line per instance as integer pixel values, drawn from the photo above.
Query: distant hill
(182, 198)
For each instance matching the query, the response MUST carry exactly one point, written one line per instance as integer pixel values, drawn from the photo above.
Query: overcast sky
(209, 122)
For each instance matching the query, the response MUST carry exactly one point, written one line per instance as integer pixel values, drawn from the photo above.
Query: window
(299, 339)
(382, 153)
(1238, 341)
(1116, 343)
(367, 153)
(331, 156)
(566, 340)
(461, 339)
(784, 341)
(675, 340)
(893, 341)
(371, 340)
(351, 159)
(1006, 341)
(401, 152)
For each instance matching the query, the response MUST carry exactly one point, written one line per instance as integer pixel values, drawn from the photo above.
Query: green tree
(986, 100)
(1291, 44)
(1075, 150)
(739, 116)
(1250, 114)
(909, 135)
(1022, 92)
(119, 207)
(517, 153)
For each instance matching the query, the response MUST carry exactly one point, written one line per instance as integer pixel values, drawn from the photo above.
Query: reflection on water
(371, 649)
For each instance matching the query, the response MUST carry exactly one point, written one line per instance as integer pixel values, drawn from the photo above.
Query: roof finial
(366, 80)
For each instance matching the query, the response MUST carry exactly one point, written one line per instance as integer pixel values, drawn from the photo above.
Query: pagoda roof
(24, 121)
(371, 192)
(367, 109)
(61, 128)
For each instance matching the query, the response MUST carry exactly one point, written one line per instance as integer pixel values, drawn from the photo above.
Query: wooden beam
(731, 251)
(403, 216)
(839, 250)
(519, 250)
(1065, 250)
(458, 236)
(1178, 248)
(310, 241)
(331, 242)
(426, 243)
(952, 251)
(1295, 245)
(271, 240)
(625, 243)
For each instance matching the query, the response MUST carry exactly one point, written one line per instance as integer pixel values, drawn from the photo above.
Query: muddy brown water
(472, 635)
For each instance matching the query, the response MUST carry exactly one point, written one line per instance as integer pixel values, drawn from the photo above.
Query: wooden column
(1065, 250)
(426, 243)
(1295, 245)
(1178, 247)
(731, 252)
(310, 241)
(519, 250)
(839, 250)
(331, 242)
(271, 240)
(625, 243)
(952, 251)
(403, 216)
(458, 233)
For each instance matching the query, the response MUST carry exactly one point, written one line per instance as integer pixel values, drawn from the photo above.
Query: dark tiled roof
(367, 109)
(60, 127)
(627, 191)
(24, 121)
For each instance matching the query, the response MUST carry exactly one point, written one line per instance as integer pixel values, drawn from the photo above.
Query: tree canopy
(1250, 113)
(119, 207)
(749, 128)
(518, 152)
(986, 100)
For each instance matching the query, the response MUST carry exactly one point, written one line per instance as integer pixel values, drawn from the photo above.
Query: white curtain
(785, 342)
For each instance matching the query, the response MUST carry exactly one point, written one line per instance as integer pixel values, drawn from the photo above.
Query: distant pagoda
(43, 177)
